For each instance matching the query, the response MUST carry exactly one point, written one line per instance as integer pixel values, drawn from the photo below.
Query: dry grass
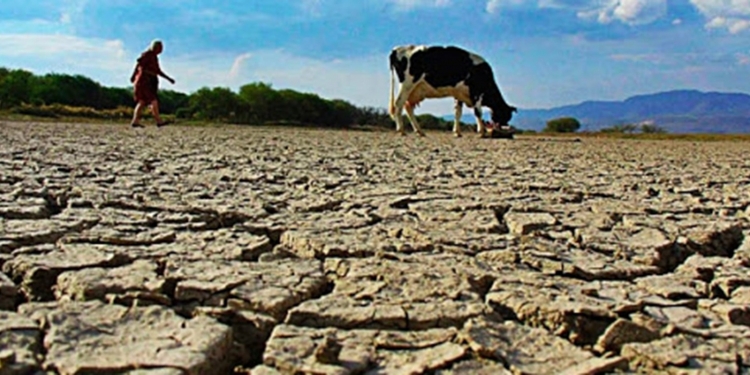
(692, 137)
(61, 113)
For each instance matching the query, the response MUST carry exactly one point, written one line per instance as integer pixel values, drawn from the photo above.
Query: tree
(77, 91)
(170, 101)
(265, 102)
(219, 103)
(57, 94)
(652, 129)
(427, 121)
(113, 97)
(15, 87)
(344, 114)
(620, 128)
(562, 125)
(372, 116)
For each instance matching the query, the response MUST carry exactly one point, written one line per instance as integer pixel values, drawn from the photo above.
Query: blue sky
(544, 52)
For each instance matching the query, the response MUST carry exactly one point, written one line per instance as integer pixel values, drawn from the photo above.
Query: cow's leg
(397, 117)
(457, 121)
(400, 104)
(413, 119)
(481, 129)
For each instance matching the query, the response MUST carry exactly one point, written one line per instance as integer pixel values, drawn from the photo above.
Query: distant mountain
(679, 111)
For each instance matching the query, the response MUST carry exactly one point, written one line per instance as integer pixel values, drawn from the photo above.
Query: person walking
(145, 79)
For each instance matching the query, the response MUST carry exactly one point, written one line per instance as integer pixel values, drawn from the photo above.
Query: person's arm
(170, 79)
(135, 71)
(160, 72)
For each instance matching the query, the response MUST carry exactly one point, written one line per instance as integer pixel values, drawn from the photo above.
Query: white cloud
(412, 4)
(742, 59)
(653, 58)
(71, 11)
(494, 6)
(89, 51)
(640, 11)
(311, 7)
(106, 61)
(733, 15)
(238, 64)
(733, 25)
(632, 12)
(362, 81)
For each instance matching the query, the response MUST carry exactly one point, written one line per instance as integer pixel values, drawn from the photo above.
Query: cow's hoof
(457, 135)
(402, 133)
(483, 135)
(421, 134)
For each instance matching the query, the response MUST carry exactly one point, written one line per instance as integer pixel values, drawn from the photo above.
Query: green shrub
(184, 113)
(620, 128)
(652, 129)
(37, 111)
(59, 110)
(562, 125)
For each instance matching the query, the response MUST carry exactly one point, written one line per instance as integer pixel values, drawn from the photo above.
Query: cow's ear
(514, 109)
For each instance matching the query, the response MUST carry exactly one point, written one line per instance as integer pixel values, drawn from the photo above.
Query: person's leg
(155, 111)
(136, 123)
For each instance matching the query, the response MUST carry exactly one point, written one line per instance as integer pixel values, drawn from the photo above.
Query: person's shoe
(163, 123)
(136, 125)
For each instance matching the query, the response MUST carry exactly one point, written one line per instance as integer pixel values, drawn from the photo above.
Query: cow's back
(439, 66)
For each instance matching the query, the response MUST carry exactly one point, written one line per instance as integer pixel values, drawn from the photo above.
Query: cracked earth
(285, 251)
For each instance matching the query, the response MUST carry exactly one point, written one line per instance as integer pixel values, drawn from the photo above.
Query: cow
(439, 72)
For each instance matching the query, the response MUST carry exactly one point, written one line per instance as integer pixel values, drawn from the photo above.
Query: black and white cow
(439, 72)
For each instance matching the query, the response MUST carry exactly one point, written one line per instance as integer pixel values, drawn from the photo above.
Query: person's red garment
(146, 82)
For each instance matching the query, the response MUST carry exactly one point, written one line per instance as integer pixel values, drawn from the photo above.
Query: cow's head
(502, 115)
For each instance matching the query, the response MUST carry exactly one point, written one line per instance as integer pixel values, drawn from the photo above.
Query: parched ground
(210, 250)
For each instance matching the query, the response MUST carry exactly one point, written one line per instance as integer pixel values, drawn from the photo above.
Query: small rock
(716, 239)
(525, 350)
(8, 293)
(559, 304)
(675, 286)
(741, 295)
(38, 272)
(731, 313)
(683, 354)
(327, 351)
(294, 349)
(270, 288)
(387, 294)
(225, 243)
(20, 340)
(596, 366)
(555, 259)
(521, 223)
(20, 233)
(124, 235)
(138, 280)
(249, 330)
(476, 367)
(110, 338)
(622, 332)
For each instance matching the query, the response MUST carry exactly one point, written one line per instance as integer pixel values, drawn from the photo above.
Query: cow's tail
(392, 99)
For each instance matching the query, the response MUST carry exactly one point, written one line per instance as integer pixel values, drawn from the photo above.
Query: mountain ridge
(677, 111)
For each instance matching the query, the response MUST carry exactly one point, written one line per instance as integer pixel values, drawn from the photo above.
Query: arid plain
(208, 250)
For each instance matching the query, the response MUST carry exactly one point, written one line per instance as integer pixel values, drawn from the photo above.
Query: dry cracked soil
(216, 250)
